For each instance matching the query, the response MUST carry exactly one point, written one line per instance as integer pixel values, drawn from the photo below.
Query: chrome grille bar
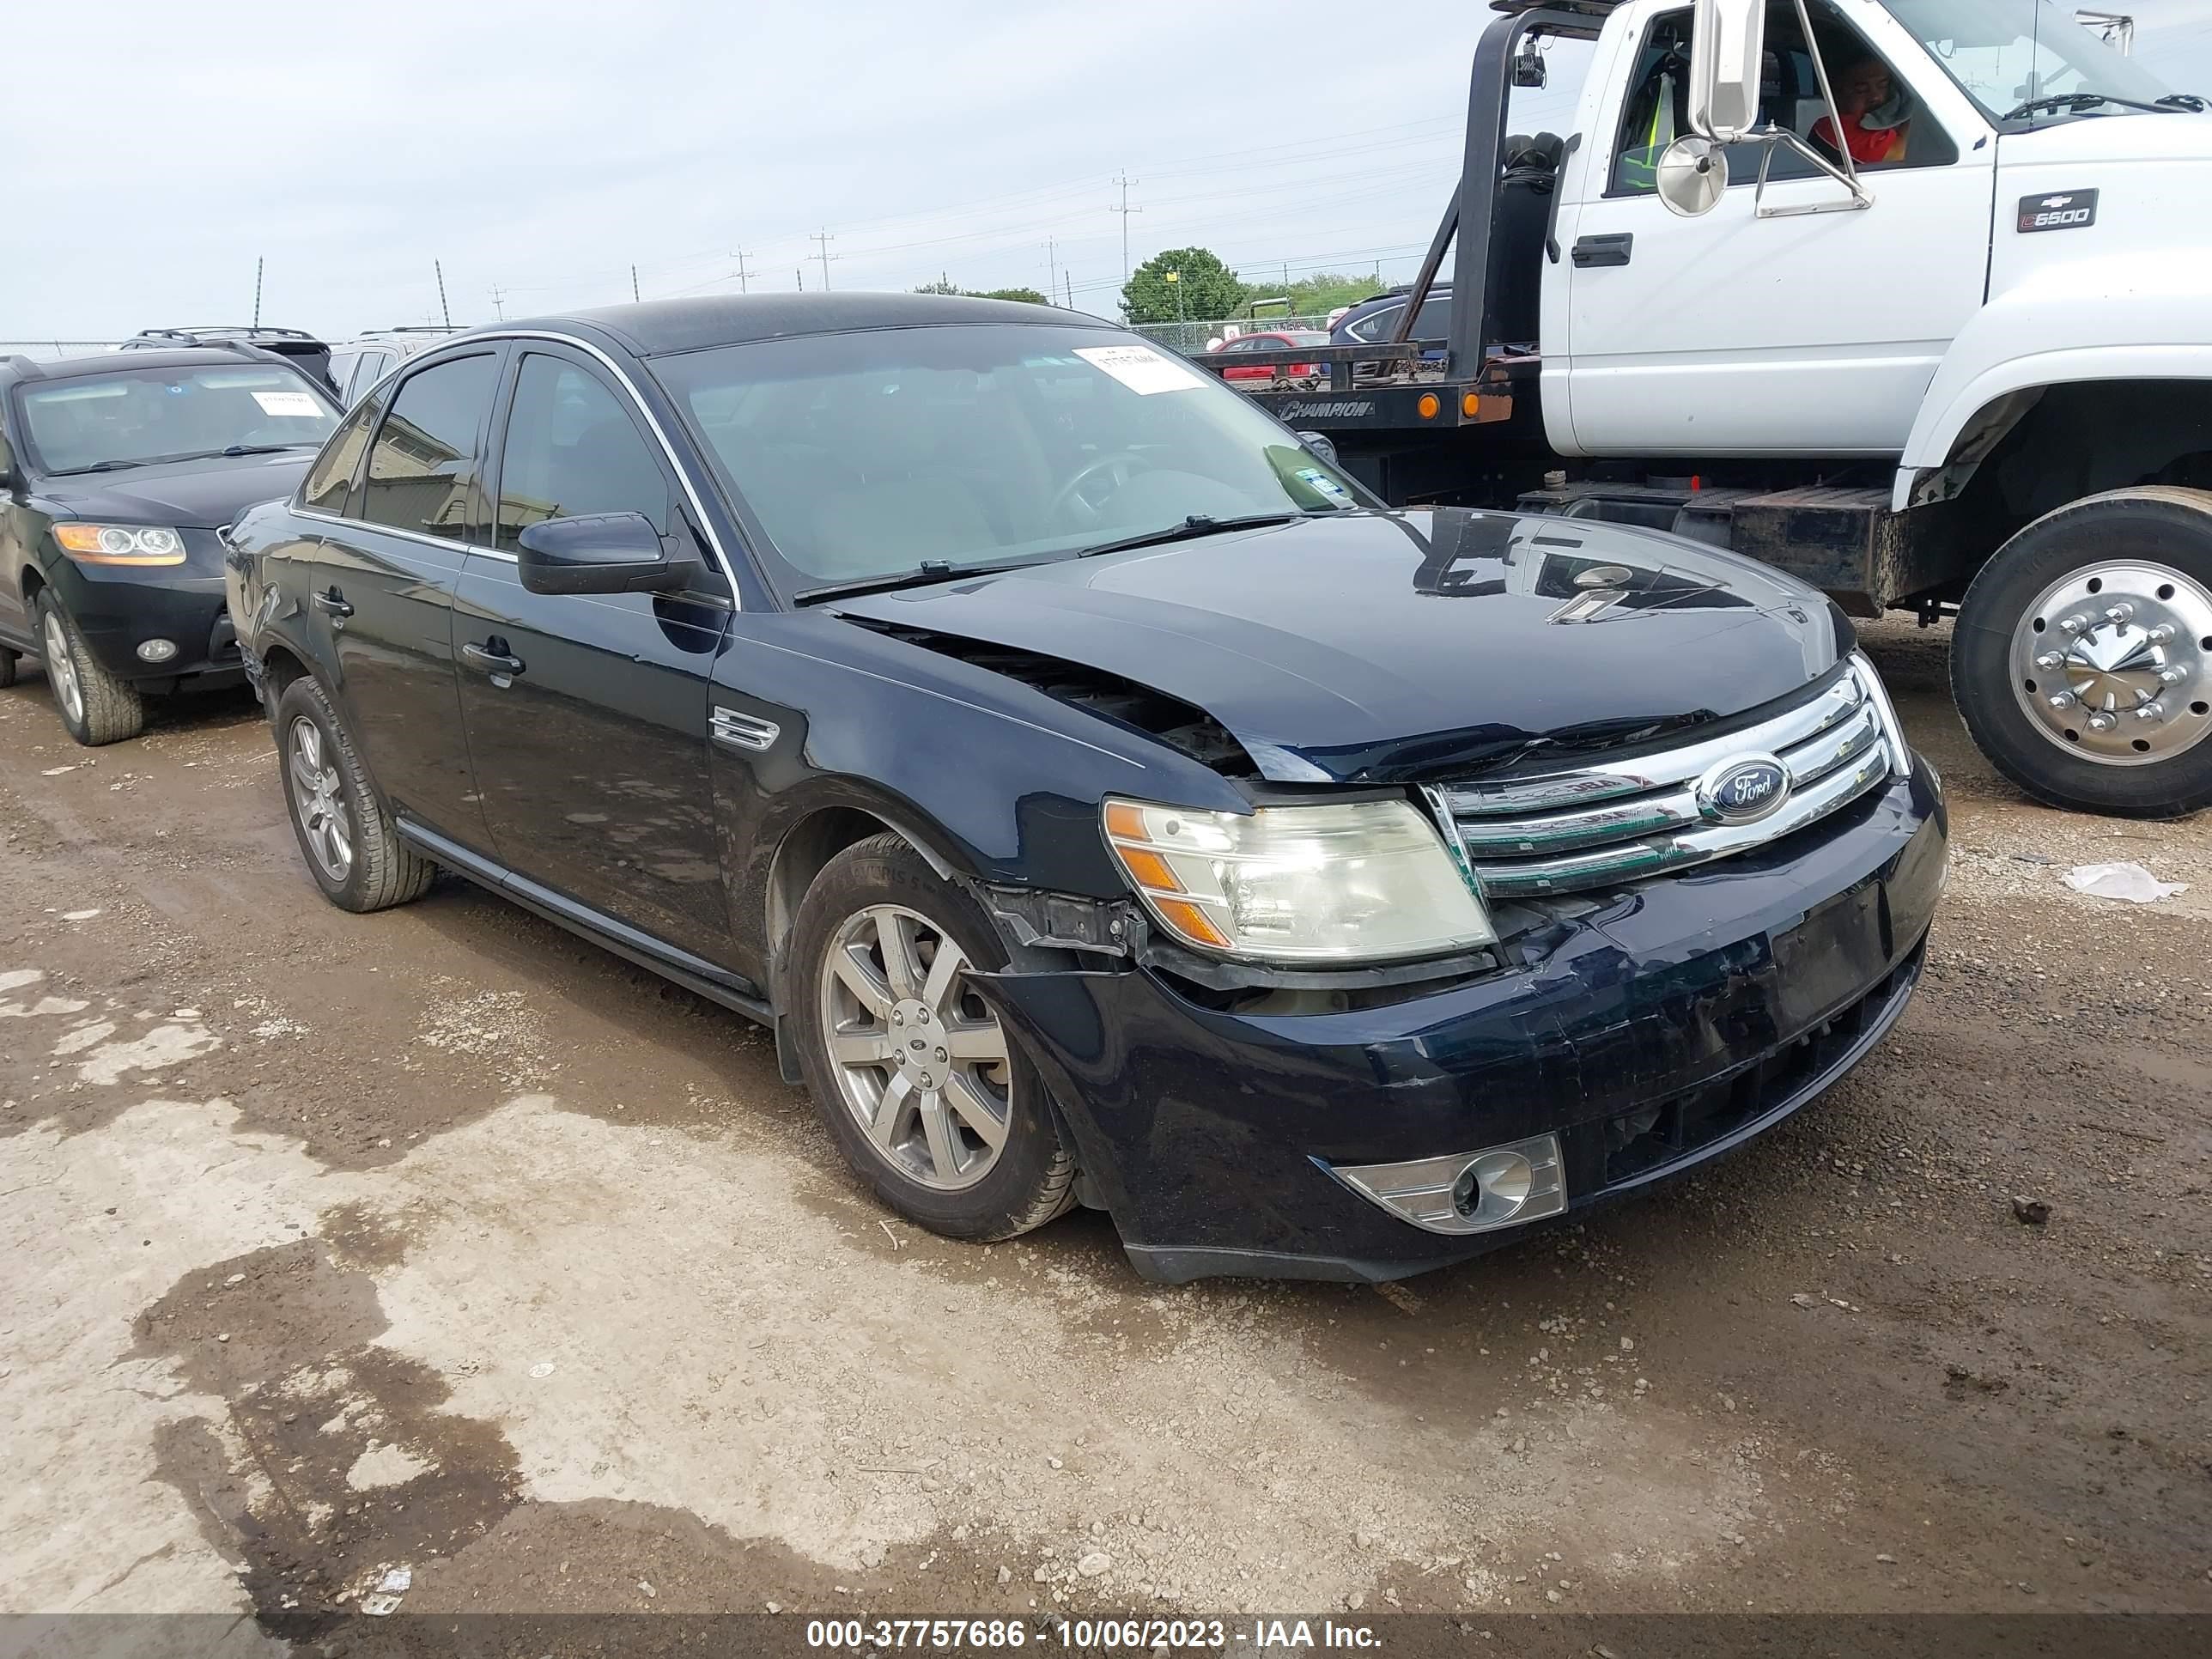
(1619, 821)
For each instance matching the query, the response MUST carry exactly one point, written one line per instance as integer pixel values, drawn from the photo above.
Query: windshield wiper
(2060, 100)
(1197, 525)
(2182, 101)
(97, 466)
(928, 571)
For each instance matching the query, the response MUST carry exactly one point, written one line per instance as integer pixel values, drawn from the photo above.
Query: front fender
(2144, 317)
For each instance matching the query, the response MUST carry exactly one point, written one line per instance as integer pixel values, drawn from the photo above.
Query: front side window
(329, 481)
(142, 416)
(2005, 53)
(1883, 122)
(572, 450)
(423, 463)
(873, 454)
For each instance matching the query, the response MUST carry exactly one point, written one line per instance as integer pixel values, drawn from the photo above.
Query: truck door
(1804, 331)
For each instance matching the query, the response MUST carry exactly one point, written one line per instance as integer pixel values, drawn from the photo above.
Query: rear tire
(8, 669)
(95, 706)
(923, 1078)
(350, 845)
(2082, 662)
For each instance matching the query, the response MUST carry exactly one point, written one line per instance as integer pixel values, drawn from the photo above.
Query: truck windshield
(884, 452)
(2008, 53)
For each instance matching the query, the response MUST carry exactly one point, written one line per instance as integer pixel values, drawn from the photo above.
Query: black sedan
(118, 475)
(1105, 801)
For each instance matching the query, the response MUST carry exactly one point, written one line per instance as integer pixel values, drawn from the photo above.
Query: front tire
(2083, 658)
(7, 660)
(95, 706)
(352, 848)
(928, 1099)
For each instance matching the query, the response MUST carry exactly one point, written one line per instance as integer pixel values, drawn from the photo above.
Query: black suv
(118, 475)
(1104, 800)
(305, 350)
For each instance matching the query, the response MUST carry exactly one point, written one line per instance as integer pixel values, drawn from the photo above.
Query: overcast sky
(539, 149)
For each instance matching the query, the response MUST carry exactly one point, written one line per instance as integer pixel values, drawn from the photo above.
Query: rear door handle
(333, 603)
(1603, 249)
(492, 657)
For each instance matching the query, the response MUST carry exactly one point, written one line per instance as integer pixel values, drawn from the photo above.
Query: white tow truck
(1959, 362)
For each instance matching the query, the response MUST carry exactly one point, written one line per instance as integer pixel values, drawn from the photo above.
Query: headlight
(119, 544)
(1359, 881)
(1892, 729)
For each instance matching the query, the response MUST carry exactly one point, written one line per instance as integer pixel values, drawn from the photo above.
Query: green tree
(945, 285)
(1319, 295)
(1209, 288)
(1028, 295)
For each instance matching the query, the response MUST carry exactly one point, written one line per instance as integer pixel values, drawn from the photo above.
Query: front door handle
(493, 656)
(1603, 249)
(334, 604)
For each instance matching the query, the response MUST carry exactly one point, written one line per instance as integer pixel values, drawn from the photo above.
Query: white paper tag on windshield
(1140, 369)
(288, 403)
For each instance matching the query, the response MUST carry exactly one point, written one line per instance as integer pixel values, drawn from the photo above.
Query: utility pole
(743, 277)
(499, 302)
(1125, 210)
(822, 239)
(257, 263)
(799, 276)
(439, 266)
(1067, 279)
(1051, 269)
(633, 285)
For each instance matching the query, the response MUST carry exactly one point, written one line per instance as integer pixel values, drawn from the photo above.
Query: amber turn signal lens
(1471, 406)
(1428, 405)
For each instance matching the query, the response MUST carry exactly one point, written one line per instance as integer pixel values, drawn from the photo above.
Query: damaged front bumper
(1663, 1026)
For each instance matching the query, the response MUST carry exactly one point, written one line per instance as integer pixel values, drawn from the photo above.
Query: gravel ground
(439, 1238)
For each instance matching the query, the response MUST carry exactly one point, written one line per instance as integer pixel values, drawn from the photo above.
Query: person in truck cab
(1877, 114)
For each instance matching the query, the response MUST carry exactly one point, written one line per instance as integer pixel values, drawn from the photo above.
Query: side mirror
(1692, 172)
(1321, 444)
(603, 553)
(1727, 47)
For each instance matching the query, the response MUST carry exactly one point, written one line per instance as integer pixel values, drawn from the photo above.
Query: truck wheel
(928, 1099)
(7, 669)
(95, 706)
(2082, 660)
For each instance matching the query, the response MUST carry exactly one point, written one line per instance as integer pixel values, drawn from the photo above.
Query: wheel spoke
(976, 1110)
(310, 740)
(861, 1048)
(943, 970)
(891, 1111)
(936, 1125)
(304, 778)
(896, 941)
(853, 972)
(983, 1041)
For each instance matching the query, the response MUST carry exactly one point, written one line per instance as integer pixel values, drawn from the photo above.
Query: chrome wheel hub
(2110, 663)
(60, 669)
(319, 800)
(920, 1062)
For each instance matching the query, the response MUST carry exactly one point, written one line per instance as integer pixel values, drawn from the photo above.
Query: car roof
(659, 327)
(122, 362)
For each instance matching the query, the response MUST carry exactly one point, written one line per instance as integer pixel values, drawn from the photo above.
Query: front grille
(1623, 820)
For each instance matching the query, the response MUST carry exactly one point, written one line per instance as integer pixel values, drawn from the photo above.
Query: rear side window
(573, 450)
(423, 463)
(330, 480)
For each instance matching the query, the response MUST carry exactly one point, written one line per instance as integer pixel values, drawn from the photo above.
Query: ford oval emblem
(1745, 787)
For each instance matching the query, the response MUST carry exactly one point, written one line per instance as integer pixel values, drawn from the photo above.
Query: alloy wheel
(319, 800)
(920, 1062)
(61, 669)
(2110, 663)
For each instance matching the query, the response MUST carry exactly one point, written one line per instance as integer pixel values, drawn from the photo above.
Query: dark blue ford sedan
(1104, 800)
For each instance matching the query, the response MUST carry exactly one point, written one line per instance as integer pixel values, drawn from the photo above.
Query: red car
(1275, 341)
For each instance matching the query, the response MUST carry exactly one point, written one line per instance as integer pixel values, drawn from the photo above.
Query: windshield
(870, 454)
(137, 415)
(2004, 52)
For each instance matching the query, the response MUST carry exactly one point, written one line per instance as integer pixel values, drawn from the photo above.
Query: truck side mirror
(1727, 50)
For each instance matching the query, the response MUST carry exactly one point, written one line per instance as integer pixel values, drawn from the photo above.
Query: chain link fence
(1190, 338)
(48, 351)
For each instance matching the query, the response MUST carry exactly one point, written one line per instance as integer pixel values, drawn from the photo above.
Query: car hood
(1391, 647)
(200, 495)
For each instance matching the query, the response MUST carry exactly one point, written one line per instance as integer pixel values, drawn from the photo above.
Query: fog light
(156, 650)
(1467, 1192)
